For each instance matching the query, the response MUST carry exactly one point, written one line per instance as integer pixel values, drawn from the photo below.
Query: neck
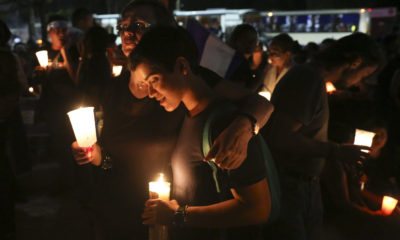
(197, 96)
(56, 47)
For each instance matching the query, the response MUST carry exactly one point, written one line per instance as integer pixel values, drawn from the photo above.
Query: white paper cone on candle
(388, 205)
(265, 94)
(364, 138)
(116, 70)
(43, 58)
(83, 124)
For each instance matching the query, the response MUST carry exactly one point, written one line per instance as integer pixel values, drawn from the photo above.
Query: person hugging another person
(166, 61)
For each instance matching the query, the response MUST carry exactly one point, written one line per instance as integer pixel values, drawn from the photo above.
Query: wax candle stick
(159, 189)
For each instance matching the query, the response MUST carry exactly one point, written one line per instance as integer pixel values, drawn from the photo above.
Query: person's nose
(152, 92)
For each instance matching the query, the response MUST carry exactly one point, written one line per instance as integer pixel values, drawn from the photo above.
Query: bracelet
(180, 215)
(255, 128)
(106, 161)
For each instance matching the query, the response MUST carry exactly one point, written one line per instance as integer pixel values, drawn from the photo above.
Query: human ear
(182, 65)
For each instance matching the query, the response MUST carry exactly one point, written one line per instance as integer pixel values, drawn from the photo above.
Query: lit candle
(265, 94)
(330, 88)
(116, 70)
(83, 124)
(31, 90)
(364, 138)
(159, 189)
(388, 205)
(43, 58)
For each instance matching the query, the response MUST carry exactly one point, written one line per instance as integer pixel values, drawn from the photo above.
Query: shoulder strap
(207, 141)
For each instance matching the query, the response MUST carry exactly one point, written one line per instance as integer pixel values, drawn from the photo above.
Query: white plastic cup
(83, 124)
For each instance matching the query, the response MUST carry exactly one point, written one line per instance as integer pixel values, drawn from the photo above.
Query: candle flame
(116, 70)
(161, 178)
(330, 88)
(30, 89)
(388, 205)
(265, 94)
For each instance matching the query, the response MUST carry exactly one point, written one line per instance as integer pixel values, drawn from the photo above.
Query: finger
(213, 151)
(231, 163)
(82, 162)
(222, 155)
(152, 202)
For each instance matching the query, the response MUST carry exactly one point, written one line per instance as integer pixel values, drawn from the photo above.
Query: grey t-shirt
(193, 182)
(301, 95)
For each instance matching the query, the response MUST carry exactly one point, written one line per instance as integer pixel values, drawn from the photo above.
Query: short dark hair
(79, 14)
(162, 14)
(239, 31)
(97, 39)
(284, 42)
(160, 46)
(56, 17)
(348, 49)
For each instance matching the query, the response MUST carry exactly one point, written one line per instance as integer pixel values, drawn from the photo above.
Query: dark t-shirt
(193, 183)
(301, 95)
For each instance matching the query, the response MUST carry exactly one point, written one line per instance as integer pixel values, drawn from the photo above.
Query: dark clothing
(193, 181)
(59, 96)
(139, 135)
(301, 95)
(9, 94)
(94, 78)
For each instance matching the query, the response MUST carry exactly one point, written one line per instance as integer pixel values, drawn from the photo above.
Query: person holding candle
(138, 131)
(297, 133)
(166, 61)
(58, 96)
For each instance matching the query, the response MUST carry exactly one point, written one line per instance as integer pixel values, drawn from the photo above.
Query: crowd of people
(277, 167)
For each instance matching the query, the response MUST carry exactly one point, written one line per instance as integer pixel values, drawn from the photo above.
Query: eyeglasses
(135, 27)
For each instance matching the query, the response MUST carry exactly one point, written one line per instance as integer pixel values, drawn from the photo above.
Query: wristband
(255, 128)
(180, 215)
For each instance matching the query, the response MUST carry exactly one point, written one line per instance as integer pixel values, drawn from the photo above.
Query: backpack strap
(207, 142)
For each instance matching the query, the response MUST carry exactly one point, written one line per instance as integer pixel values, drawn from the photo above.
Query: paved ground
(45, 213)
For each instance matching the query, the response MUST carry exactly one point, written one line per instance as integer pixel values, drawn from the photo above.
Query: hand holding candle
(83, 124)
(388, 205)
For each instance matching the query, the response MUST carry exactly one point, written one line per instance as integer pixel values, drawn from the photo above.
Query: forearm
(258, 107)
(294, 144)
(250, 206)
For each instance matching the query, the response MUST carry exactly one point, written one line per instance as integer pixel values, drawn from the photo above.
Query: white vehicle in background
(317, 25)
